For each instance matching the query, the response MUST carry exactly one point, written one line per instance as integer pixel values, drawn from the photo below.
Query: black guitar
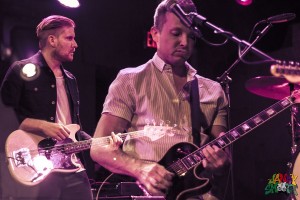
(183, 159)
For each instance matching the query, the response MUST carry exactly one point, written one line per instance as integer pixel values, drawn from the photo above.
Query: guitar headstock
(289, 70)
(157, 132)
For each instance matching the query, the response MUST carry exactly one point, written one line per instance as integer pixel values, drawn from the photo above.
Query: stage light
(70, 3)
(244, 2)
(29, 70)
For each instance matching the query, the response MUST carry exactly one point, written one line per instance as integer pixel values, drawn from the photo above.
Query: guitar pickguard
(53, 151)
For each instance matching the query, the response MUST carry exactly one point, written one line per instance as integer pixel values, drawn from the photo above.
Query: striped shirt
(147, 95)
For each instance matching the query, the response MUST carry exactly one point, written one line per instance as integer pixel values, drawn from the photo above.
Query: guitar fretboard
(183, 165)
(86, 144)
(152, 132)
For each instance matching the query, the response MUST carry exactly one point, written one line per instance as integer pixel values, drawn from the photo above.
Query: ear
(154, 33)
(51, 40)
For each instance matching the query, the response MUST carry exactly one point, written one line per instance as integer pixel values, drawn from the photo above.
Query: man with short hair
(160, 91)
(45, 98)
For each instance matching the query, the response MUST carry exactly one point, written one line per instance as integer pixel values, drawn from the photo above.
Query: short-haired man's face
(64, 44)
(175, 42)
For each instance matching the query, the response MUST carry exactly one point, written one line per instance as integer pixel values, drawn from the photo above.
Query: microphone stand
(224, 79)
(200, 20)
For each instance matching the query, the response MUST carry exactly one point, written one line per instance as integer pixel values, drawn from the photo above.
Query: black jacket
(36, 97)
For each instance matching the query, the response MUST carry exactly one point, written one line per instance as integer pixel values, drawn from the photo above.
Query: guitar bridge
(21, 157)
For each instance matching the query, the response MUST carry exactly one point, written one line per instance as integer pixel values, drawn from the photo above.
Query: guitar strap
(197, 116)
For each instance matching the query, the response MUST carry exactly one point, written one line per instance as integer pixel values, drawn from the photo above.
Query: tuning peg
(161, 122)
(147, 122)
(278, 62)
(291, 63)
(167, 123)
(153, 122)
(283, 63)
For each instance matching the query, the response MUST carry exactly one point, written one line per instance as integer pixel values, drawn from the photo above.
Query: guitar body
(32, 157)
(187, 185)
(190, 183)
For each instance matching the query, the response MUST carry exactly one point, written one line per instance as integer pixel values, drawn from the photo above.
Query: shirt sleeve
(222, 105)
(213, 103)
(12, 86)
(120, 100)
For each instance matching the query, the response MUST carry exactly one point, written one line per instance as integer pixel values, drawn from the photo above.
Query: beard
(64, 56)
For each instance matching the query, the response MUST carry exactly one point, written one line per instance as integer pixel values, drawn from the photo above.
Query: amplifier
(132, 198)
(122, 191)
(118, 189)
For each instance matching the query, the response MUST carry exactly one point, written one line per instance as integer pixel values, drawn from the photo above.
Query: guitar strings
(88, 143)
(94, 141)
(180, 167)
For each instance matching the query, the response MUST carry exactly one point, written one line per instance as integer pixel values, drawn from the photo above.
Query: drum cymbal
(270, 87)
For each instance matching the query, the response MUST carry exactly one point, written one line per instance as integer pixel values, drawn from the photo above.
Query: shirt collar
(161, 65)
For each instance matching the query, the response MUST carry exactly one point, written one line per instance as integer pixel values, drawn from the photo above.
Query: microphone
(285, 17)
(177, 10)
(186, 19)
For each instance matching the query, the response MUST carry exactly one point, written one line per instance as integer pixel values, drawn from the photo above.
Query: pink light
(244, 2)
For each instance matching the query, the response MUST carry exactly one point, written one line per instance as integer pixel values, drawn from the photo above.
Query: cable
(98, 192)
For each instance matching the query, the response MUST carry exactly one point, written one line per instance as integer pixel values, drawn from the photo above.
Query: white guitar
(31, 157)
(290, 71)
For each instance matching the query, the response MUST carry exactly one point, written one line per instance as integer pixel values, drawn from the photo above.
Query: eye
(176, 33)
(70, 38)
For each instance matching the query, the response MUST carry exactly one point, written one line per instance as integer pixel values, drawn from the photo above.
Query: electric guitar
(290, 72)
(183, 159)
(32, 157)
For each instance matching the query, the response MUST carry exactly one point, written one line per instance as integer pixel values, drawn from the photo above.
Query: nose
(75, 45)
(184, 40)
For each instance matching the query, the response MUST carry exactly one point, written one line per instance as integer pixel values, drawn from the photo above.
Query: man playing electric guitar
(155, 92)
(45, 98)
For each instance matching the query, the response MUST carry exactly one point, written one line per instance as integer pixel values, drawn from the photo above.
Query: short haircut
(164, 7)
(49, 25)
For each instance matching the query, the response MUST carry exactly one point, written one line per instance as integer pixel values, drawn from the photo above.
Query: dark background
(112, 35)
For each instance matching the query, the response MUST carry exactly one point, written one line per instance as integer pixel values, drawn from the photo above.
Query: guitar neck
(77, 147)
(193, 159)
(252, 123)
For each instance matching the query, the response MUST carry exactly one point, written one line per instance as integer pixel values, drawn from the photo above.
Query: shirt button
(175, 100)
(51, 118)
(53, 102)
(53, 86)
(35, 89)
